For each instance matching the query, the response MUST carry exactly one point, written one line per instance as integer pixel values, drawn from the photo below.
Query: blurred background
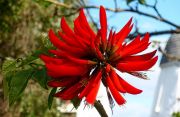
(24, 23)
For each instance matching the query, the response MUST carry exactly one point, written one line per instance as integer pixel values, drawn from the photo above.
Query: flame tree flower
(83, 59)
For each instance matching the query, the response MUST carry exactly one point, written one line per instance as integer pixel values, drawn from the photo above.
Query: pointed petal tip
(62, 21)
(50, 31)
(130, 20)
(102, 7)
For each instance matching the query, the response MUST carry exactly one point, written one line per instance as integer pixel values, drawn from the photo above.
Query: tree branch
(155, 33)
(60, 3)
(137, 12)
(159, 17)
(119, 10)
(99, 107)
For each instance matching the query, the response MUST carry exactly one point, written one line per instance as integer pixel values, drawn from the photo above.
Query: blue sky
(140, 105)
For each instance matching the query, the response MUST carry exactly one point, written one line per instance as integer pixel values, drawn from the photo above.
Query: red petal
(103, 22)
(78, 30)
(137, 66)
(70, 92)
(122, 34)
(81, 61)
(66, 29)
(92, 83)
(48, 59)
(74, 51)
(86, 89)
(119, 99)
(60, 53)
(143, 57)
(109, 40)
(135, 48)
(55, 40)
(140, 49)
(68, 40)
(129, 88)
(85, 24)
(108, 68)
(66, 70)
(62, 82)
(91, 97)
(99, 54)
(116, 81)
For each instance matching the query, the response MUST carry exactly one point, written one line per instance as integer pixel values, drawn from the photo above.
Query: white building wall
(165, 100)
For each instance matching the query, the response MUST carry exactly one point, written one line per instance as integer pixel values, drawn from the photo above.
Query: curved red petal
(122, 34)
(85, 23)
(137, 66)
(116, 82)
(66, 29)
(67, 70)
(68, 40)
(62, 82)
(78, 30)
(119, 99)
(143, 57)
(48, 59)
(91, 97)
(129, 88)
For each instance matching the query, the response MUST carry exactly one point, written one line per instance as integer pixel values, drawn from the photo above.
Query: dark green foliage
(139, 1)
(142, 1)
(51, 97)
(177, 114)
(76, 102)
(41, 77)
(18, 83)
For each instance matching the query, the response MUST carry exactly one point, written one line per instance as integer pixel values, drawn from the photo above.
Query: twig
(60, 4)
(154, 7)
(155, 33)
(115, 4)
(99, 107)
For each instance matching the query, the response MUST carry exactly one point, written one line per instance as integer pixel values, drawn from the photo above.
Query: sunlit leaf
(8, 65)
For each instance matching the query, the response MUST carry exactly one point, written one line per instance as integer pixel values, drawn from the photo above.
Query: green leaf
(76, 102)
(142, 1)
(41, 77)
(5, 87)
(129, 1)
(9, 65)
(18, 84)
(51, 97)
(28, 60)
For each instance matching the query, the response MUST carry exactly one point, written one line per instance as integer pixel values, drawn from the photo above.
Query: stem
(99, 107)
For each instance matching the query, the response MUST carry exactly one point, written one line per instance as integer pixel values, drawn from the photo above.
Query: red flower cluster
(83, 59)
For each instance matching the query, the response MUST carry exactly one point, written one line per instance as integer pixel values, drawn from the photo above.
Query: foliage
(139, 1)
(177, 114)
(33, 103)
(24, 26)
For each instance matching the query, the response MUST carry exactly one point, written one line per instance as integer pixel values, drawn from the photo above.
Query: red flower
(83, 59)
